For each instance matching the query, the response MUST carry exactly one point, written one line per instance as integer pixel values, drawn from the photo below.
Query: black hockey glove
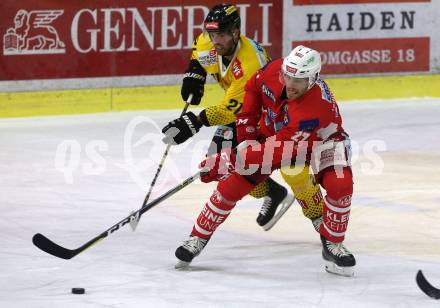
(181, 129)
(194, 82)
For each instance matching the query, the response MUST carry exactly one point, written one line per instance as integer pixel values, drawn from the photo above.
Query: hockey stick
(56, 250)
(135, 222)
(426, 287)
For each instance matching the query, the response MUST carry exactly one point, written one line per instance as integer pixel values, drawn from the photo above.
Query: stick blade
(426, 287)
(134, 220)
(52, 248)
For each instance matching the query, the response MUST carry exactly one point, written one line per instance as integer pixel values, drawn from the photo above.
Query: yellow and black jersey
(248, 58)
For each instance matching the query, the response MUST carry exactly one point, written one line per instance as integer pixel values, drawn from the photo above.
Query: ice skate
(274, 206)
(338, 259)
(190, 249)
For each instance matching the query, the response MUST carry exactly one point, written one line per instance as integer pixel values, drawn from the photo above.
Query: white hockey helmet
(302, 62)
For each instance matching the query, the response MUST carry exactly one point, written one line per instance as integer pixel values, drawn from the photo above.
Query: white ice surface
(394, 227)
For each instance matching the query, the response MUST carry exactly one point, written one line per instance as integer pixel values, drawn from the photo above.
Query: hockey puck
(78, 290)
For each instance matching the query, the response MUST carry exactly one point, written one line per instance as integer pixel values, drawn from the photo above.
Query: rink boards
(56, 102)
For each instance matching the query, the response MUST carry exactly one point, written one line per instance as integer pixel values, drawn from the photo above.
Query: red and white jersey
(314, 117)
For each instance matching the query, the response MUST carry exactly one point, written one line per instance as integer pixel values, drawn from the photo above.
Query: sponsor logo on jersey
(286, 119)
(237, 71)
(257, 46)
(268, 92)
(308, 125)
(325, 91)
(270, 119)
(207, 57)
(271, 114)
(33, 34)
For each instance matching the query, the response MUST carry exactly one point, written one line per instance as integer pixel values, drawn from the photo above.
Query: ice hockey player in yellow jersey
(231, 59)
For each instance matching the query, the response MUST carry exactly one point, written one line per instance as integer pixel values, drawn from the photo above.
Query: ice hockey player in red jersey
(289, 118)
(231, 59)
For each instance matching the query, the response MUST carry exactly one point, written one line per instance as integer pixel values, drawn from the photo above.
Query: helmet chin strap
(238, 38)
(312, 81)
(235, 42)
(281, 78)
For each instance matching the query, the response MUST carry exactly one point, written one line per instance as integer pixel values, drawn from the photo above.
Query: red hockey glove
(246, 126)
(217, 167)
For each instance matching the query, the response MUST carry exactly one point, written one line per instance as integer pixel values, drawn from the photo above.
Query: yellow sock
(307, 192)
(260, 191)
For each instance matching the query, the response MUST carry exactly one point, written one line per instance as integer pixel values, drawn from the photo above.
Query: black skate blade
(426, 287)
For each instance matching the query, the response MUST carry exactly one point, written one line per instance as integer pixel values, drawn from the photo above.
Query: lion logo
(33, 34)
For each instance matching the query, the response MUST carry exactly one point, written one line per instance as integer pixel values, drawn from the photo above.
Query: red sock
(220, 204)
(337, 204)
(215, 212)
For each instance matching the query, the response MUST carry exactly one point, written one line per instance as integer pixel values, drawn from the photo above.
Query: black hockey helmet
(222, 18)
